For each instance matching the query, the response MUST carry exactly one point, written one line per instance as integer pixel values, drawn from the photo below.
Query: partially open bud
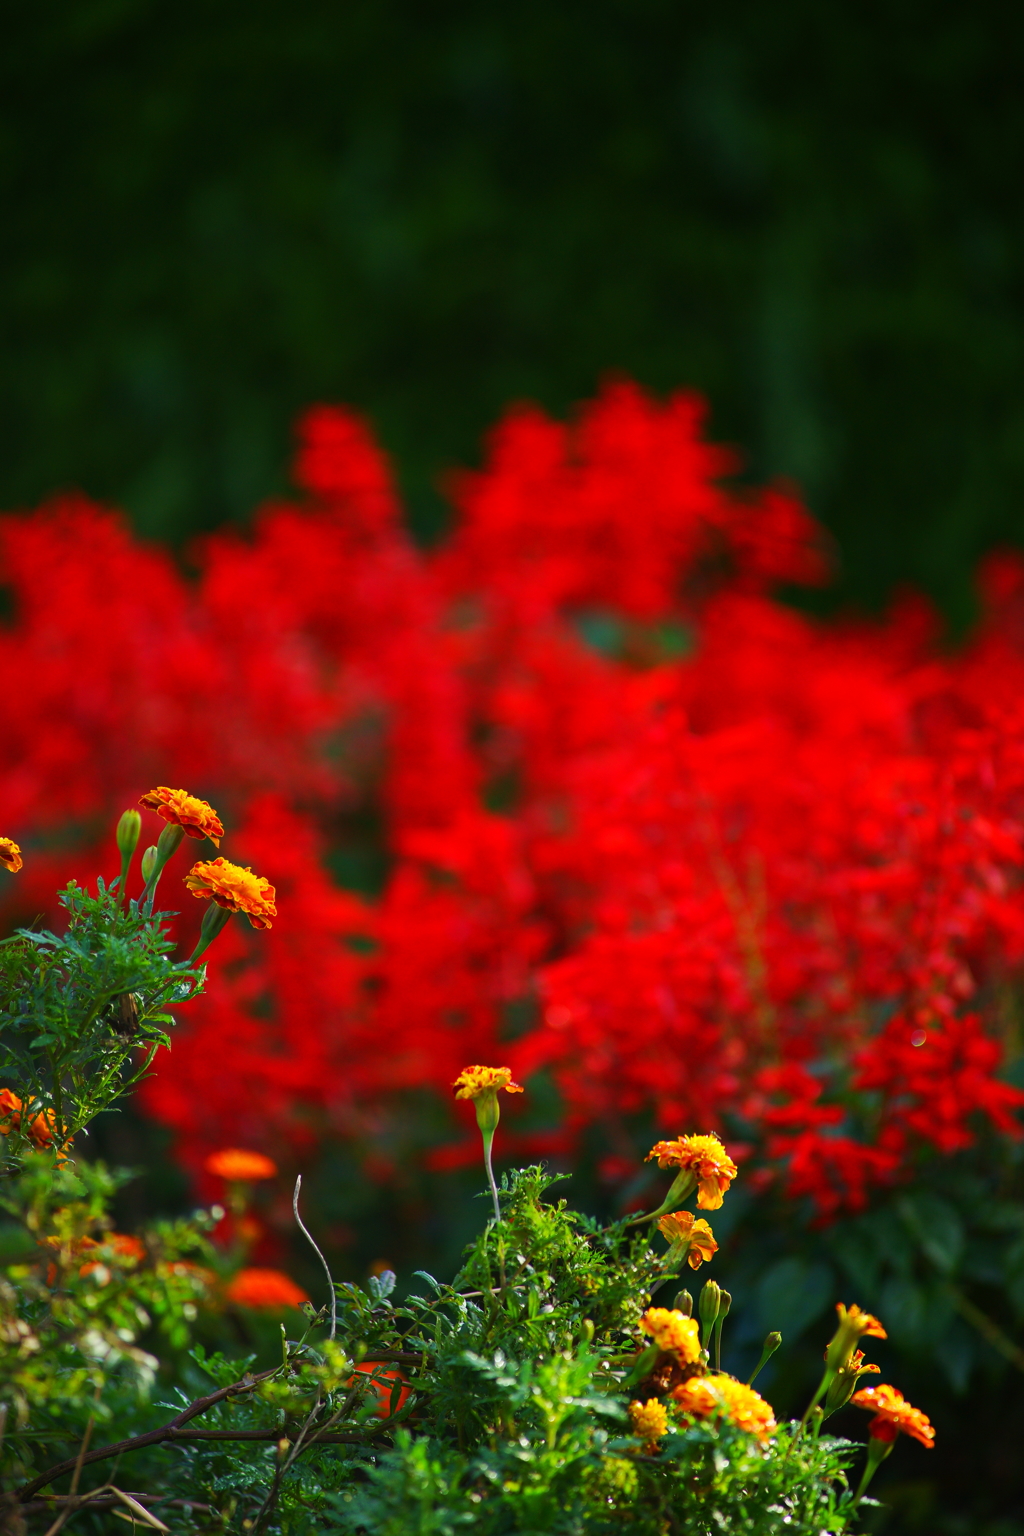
(853, 1325)
(148, 863)
(128, 831)
(846, 1380)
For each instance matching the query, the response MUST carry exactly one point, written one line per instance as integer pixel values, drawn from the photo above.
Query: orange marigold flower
(703, 1396)
(122, 1246)
(865, 1324)
(473, 1081)
(853, 1326)
(42, 1127)
(704, 1157)
(125, 1246)
(195, 817)
(381, 1386)
(892, 1414)
(264, 1290)
(236, 1164)
(673, 1333)
(10, 1112)
(682, 1227)
(649, 1421)
(235, 888)
(10, 855)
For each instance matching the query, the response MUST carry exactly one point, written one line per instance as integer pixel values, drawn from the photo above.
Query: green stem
(488, 1138)
(878, 1450)
(826, 1382)
(122, 890)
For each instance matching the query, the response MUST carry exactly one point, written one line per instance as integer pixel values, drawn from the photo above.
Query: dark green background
(216, 213)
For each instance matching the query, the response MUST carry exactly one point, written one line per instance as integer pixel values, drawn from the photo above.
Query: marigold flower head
(121, 1245)
(649, 1421)
(195, 817)
(10, 1111)
(10, 855)
(234, 888)
(474, 1081)
(703, 1157)
(681, 1227)
(264, 1290)
(892, 1414)
(237, 1165)
(382, 1386)
(673, 1333)
(41, 1128)
(703, 1396)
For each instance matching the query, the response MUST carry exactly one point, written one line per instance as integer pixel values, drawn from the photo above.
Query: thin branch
(309, 1238)
(321, 1437)
(151, 1437)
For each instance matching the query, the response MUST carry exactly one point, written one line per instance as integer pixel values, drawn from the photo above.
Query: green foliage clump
(76, 1008)
(499, 1402)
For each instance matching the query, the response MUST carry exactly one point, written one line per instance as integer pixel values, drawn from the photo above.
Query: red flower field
(642, 826)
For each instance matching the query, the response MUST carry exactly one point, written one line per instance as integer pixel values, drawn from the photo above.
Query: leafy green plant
(542, 1390)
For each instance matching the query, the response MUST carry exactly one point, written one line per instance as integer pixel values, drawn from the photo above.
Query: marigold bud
(129, 829)
(684, 1303)
(149, 859)
(169, 841)
(710, 1301)
(771, 1344)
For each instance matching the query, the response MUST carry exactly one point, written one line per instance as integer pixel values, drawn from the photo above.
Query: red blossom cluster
(706, 861)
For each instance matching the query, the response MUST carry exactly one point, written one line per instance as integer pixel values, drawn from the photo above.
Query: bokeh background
(215, 215)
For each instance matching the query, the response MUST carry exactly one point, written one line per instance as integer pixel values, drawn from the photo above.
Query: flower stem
(878, 1450)
(488, 1140)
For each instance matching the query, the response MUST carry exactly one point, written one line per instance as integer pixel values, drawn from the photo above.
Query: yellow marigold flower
(853, 1326)
(705, 1159)
(196, 818)
(649, 1422)
(892, 1414)
(702, 1396)
(234, 888)
(474, 1081)
(237, 1164)
(10, 855)
(264, 1290)
(683, 1228)
(673, 1333)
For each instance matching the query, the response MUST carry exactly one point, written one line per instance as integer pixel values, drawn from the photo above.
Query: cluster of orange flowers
(704, 1165)
(231, 886)
(41, 1128)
